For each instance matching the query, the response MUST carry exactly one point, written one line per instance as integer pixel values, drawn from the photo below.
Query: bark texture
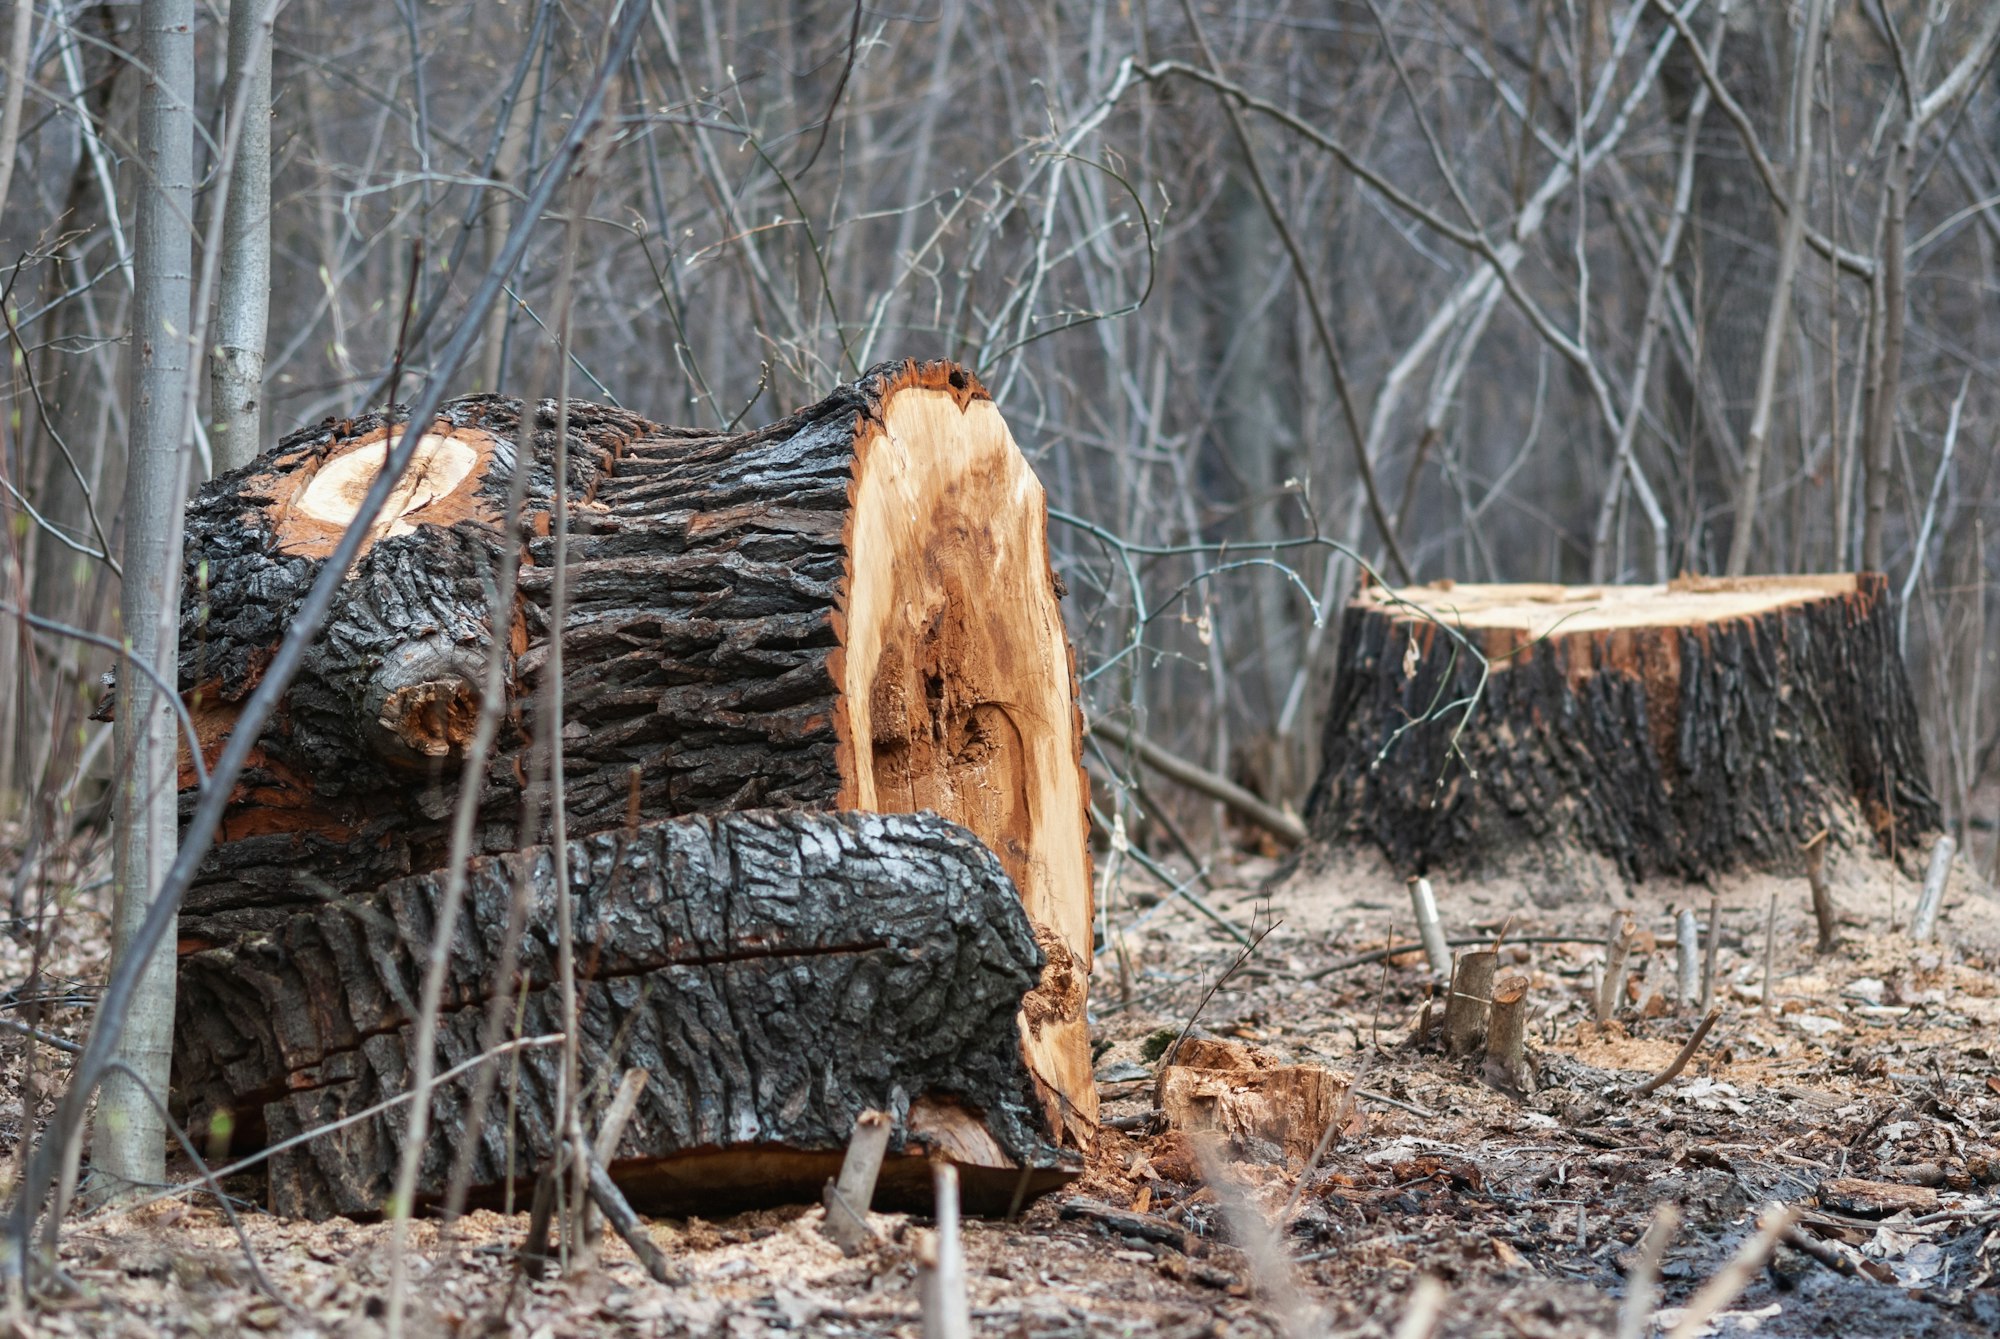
(851, 608)
(1677, 731)
(776, 972)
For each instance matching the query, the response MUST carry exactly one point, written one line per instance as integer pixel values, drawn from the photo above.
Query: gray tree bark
(1779, 318)
(128, 1143)
(236, 381)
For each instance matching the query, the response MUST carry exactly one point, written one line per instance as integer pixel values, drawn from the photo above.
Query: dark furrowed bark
(1678, 750)
(777, 973)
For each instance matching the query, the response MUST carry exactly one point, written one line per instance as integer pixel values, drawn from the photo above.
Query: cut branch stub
(776, 972)
(1623, 732)
(850, 608)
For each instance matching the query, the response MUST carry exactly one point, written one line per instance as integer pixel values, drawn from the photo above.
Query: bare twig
(1679, 1062)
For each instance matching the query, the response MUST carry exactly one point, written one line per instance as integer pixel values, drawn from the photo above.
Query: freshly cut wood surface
(1230, 1090)
(1622, 732)
(849, 608)
(776, 972)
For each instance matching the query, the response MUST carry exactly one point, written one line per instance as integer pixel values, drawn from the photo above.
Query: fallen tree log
(851, 608)
(776, 972)
(1621, 732)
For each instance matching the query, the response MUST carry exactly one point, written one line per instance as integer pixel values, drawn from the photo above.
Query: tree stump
(851, 608)
(777, 972)
(1620, 732)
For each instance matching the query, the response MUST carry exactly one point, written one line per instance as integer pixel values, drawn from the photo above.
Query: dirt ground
(1876, 1062)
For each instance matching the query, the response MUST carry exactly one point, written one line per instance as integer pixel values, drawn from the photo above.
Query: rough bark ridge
(777, 972)
(354, 780)
(1680, 730)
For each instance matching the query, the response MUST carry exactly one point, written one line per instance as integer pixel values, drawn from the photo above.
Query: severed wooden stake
(1708, 959)
(1506, 1063)
(1424, 904)
(1822, 896)
(1465, 1010)
(1687, 949)
(847, 1199)
(1617, 961)
(1923, 926)
(946, 1315)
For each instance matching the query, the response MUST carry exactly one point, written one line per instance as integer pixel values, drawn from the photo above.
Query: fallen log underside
(776, 972)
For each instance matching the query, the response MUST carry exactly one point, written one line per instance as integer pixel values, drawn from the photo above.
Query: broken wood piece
(617, 1210)
(1874, 1199)
(1619, 733)
(1127, 1222)
(778, 972)
(1770, 952)
(1246, 1095)
(1618, 946)
(1423, 903)
(1642, 1286)
(1506, 1062)
(1923, 925)
(1824, 914)
(847, 1198)
(946, 1312)
(851, 608)
(1465, 1010)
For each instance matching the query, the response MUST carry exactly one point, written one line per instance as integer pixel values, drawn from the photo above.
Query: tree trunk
(128, 1138)
(242, 308)
(851, 608)
(1624, 731)
(776, 972)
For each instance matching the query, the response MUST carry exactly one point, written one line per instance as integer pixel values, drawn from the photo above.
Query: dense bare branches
(1458, 288)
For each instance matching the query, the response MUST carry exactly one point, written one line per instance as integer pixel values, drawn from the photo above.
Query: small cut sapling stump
(849, 609)
(1617, 733)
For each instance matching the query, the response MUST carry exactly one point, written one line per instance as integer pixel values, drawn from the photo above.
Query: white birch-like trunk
(128, 1143)
(242, 309)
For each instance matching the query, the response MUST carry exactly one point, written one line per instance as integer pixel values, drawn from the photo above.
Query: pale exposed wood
(1242, 1094)
(1539, 610)
(439, 488)
(1506, 1063)
(957, 687)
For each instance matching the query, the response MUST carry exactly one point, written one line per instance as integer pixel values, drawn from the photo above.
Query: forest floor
(1879, 1061)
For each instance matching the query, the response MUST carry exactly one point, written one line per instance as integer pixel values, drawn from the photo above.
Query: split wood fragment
(1506, 1064)
(848, 1197)
(1687, 955)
